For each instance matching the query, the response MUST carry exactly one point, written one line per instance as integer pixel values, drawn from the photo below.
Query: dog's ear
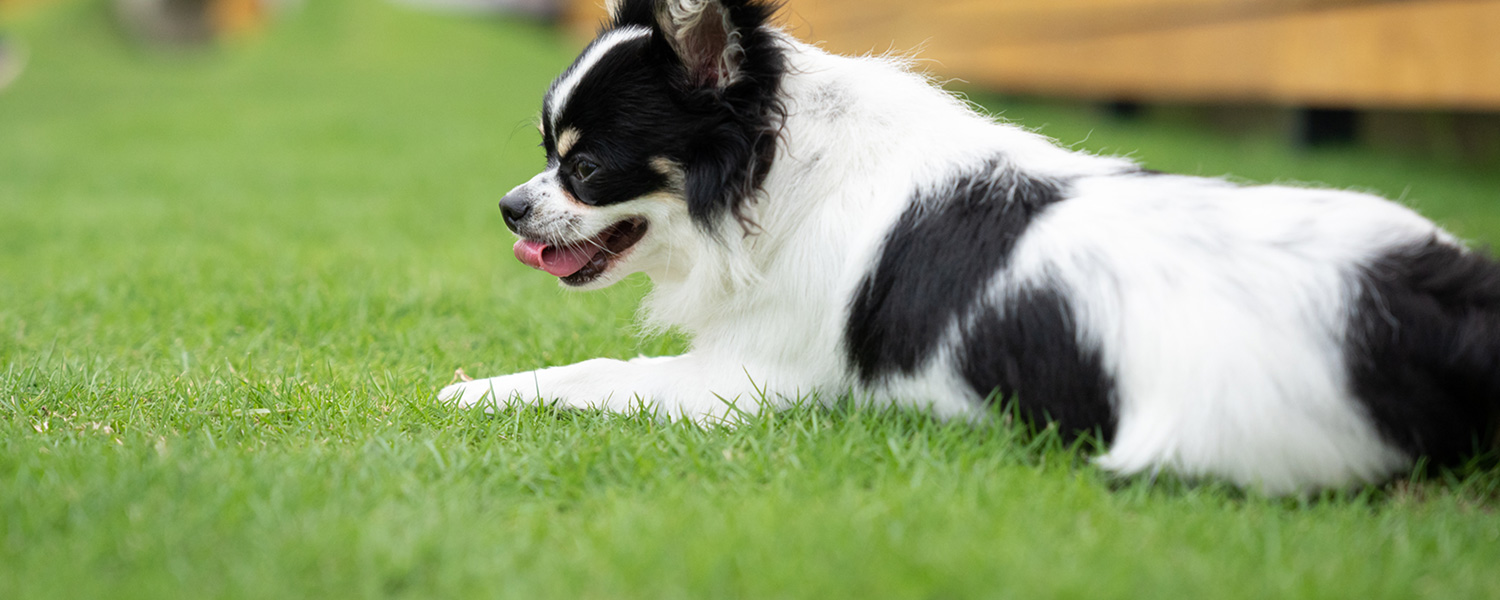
(631, 12)
(707, 35)
(730, 73)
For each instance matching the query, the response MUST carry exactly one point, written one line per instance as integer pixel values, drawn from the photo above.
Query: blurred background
(280, 171)
(261, 150)
(1413, 75)
(1420, 77)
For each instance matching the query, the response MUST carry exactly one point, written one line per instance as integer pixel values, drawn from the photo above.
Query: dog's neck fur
(876, 122)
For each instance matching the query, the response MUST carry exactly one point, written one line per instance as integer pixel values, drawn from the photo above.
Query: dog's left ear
(707, 34)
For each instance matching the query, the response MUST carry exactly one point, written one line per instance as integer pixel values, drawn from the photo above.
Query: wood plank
(1359, 53)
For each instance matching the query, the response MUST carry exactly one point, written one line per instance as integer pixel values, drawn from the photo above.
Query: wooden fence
(1344, 53)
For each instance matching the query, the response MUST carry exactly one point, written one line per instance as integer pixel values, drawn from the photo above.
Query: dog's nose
(514, 207)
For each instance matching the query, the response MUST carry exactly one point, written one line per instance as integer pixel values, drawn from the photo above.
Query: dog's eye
(584, 170)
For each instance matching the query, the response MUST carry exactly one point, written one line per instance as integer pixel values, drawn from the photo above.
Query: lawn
(231, 282)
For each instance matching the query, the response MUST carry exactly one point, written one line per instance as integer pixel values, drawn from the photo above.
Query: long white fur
(1218, 309)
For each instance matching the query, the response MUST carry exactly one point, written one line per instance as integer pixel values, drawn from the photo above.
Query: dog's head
(663, 127)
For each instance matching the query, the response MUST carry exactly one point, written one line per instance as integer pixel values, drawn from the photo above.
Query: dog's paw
(462, 394)
(492, 393)
(470, 393)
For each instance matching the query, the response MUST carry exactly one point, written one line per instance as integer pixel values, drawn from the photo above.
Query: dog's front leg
(674, 386)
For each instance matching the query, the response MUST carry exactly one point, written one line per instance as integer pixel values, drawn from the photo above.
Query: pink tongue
(559, 262)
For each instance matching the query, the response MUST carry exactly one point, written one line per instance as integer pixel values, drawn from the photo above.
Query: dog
(832, 227)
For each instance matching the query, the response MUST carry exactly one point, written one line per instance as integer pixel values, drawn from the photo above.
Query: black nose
(514, 208)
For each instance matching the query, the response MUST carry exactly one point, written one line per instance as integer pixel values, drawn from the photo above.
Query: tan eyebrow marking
(566, 140)
(672, 170)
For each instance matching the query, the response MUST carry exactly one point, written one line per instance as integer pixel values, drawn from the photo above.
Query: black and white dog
(825, 226)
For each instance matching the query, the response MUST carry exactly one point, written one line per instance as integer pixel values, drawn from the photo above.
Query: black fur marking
(935, 263)
(615, 108)
(633, 12)
(1027, 352)
(1424, 349)
(640, 101)
(934, 268)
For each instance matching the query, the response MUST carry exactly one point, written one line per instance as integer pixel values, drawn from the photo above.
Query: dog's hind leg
(1424, 349)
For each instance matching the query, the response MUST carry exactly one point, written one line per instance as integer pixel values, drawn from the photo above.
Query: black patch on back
(935, 267)
(1028, 352)
(639, 103)
(1423, 349)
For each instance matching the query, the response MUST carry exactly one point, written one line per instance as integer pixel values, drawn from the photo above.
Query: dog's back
(1281, 337)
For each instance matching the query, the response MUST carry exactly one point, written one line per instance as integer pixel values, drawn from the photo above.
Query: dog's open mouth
(580, 262)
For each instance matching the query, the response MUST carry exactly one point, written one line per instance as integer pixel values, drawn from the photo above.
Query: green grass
(231, 282)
